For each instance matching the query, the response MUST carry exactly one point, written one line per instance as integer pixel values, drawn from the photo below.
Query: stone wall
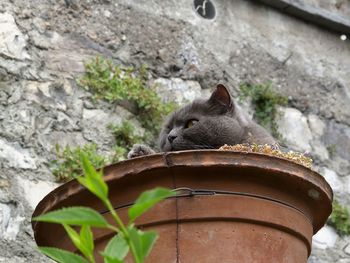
(44, 44)
(341, 7)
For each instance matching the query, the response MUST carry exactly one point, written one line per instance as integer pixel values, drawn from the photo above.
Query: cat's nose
(171, 138)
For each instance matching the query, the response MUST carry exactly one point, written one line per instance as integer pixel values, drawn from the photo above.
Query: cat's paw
(140, 150)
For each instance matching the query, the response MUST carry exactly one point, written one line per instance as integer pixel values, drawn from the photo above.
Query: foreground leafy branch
(127, 237)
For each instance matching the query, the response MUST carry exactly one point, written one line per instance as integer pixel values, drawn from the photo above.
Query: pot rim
(193, 158)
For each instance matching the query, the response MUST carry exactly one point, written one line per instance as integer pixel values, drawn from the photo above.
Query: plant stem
(123, 230)
(92, 259)
(116, 217)
(113, 228)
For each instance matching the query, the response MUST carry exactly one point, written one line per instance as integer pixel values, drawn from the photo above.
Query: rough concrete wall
(43, 45)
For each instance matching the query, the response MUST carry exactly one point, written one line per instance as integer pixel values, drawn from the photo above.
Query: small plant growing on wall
(332, 150)
(265, 101)
(340, 218)
(125, 137)
(115, 84)
(127, 237)
(67, 166)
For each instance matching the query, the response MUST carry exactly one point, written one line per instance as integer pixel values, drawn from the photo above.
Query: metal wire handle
(189, 192)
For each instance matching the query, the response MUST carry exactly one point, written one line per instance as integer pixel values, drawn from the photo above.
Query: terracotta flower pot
(234, 207)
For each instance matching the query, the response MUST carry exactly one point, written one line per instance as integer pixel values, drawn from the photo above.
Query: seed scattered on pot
(269, 150)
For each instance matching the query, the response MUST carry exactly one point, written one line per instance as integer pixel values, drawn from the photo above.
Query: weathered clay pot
(235, 207)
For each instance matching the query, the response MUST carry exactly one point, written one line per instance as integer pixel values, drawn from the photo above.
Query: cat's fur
(213, 123)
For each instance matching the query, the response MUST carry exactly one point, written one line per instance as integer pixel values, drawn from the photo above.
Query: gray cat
(207, 124)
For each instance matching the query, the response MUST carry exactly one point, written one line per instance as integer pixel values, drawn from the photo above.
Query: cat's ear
(222, 96)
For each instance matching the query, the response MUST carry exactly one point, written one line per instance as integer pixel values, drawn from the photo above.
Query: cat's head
(202, 124)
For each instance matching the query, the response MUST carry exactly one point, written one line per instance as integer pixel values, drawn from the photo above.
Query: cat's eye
(190, 123)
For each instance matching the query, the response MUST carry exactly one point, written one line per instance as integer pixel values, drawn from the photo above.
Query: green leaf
(136, 240)
(62, 256)
(83, 241)
(148, 240)
(108, 259)
(93, 180)
(116, 249)
(74, 216)
(143, 241)
(87, 238)
(147, 200)
(74, 236)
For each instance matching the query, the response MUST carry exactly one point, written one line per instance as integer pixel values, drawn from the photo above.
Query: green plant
(113, 83)
(67, 164)
(127, 237)
(265, 102)
(124, 134)
(332, 150)
(340, 218)
(125, 137)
